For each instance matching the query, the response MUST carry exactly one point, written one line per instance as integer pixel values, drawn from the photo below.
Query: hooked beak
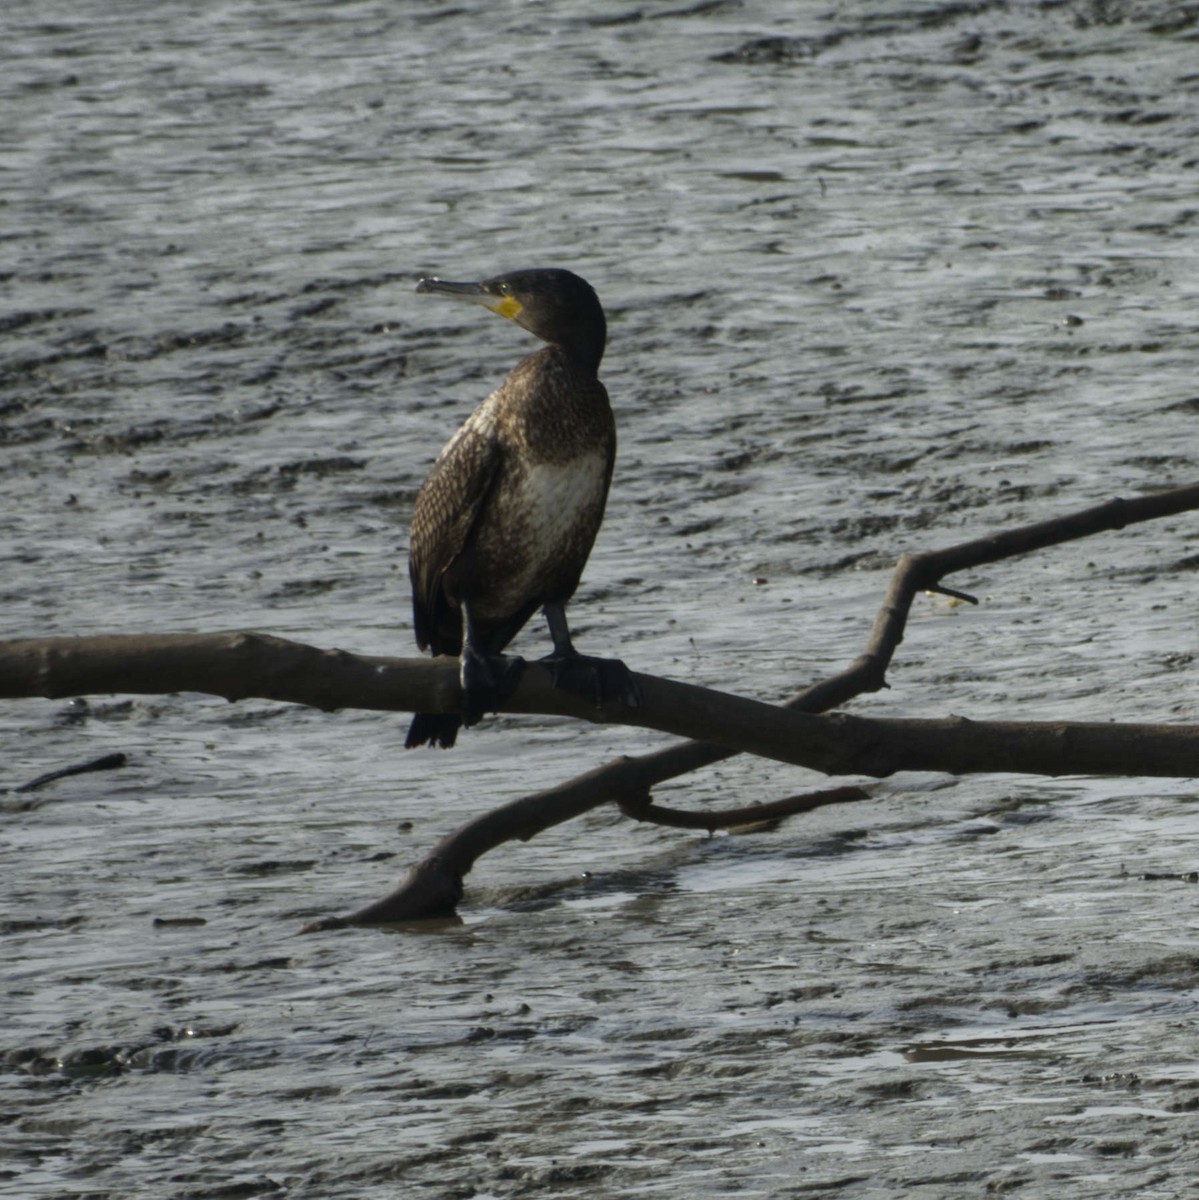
(475, 293)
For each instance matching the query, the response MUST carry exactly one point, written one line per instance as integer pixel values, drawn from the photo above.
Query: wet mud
(878, 280)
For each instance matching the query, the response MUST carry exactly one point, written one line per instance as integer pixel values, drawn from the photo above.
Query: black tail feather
(433, 729)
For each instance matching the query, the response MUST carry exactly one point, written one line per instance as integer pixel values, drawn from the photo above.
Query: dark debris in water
(107, 762)
(304, 587)
(796, 50)
(267, 867)
(779, 51)
(167, 1049)
(40, 924)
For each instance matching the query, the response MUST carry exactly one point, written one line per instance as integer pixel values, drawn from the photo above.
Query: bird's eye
(503, 289)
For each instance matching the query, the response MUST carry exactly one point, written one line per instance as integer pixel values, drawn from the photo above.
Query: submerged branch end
(750, 814)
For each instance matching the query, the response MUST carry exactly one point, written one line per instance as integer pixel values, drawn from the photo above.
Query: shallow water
(877, 280)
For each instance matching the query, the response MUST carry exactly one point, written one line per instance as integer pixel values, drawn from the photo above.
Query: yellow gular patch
(507, 306)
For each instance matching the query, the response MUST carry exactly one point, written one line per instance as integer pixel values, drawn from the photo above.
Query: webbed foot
(599, 680)
(487, 681)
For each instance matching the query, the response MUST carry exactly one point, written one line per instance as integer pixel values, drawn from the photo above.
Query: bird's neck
(555, 406)
(583, 355)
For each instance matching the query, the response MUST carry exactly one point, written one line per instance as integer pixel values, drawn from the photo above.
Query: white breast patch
(549, 510)
(554, 494)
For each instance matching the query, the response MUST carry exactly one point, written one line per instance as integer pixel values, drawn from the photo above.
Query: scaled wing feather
(446, 510)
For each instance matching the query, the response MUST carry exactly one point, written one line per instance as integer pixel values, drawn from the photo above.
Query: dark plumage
(507, 517)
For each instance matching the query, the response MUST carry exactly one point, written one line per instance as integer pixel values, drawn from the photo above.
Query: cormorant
(506, 519)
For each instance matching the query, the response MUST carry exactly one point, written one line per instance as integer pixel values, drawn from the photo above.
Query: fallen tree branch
(434, 885)
(240, 665)
(244, 665)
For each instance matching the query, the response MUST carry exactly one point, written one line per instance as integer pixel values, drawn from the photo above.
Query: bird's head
(556, 305)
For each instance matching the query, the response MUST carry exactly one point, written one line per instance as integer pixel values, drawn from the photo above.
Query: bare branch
(749, 814)
(240, 665)
(243, 665)
(434, 886)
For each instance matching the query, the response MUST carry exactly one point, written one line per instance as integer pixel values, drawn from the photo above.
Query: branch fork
(238, 665)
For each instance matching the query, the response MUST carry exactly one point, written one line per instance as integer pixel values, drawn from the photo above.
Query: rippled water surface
(879, 277)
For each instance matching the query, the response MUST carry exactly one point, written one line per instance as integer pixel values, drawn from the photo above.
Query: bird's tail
(433, 729)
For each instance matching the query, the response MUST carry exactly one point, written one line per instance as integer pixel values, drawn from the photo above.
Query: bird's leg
(487, 679)
(555, 618)
(599, 680)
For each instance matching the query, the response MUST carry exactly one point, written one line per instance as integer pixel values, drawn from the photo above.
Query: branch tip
(939, 589)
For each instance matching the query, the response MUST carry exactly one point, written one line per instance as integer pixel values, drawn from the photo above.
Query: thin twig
(108, 762)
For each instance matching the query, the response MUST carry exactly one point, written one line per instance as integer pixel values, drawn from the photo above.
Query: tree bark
(244, 665)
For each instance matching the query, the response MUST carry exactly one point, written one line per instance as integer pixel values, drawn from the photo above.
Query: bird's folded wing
(446, 510)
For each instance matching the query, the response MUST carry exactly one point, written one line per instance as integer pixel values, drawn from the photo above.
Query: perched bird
(507, 517)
